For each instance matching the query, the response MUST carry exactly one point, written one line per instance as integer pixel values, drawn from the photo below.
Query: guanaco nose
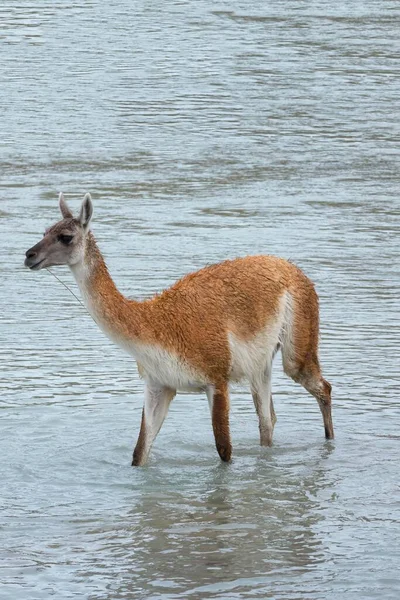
(30, 254)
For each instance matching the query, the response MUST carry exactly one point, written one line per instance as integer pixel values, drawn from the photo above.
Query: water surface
(204, 131)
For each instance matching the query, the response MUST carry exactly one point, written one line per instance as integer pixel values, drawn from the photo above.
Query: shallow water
(204, 130)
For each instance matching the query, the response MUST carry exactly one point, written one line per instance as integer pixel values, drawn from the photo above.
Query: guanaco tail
(220, 324)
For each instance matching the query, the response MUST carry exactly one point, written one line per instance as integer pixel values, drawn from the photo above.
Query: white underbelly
(157, 364)
(249, 358)
(165, 368)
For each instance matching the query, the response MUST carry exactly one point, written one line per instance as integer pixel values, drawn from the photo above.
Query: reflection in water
(225, 532)
(204, 131)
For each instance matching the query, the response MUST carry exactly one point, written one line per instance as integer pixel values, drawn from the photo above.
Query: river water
(203, 130)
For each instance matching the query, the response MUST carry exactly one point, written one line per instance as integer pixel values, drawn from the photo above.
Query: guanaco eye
(65, 239)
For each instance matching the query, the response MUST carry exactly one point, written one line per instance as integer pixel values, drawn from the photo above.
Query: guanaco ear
(86, 211)
(66, 213)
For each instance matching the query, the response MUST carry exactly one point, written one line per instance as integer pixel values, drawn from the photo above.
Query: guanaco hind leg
(312, 380)
(218, 399)
(309, 376)
(262, 398)
(273, 414)
(300, 357)
(156, 403)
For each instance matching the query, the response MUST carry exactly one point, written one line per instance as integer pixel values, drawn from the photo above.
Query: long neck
(112, 311)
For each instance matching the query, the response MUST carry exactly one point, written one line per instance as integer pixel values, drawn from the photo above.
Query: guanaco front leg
(156, 403)
(218, 399)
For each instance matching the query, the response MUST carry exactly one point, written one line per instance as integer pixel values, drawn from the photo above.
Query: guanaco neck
(113, 312)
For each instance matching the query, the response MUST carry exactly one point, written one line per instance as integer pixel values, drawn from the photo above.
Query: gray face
(60, 245)
(64, 242)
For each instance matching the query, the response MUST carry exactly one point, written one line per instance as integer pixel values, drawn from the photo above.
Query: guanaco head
(64, 242)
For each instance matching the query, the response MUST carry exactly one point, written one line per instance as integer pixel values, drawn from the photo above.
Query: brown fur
(220, 423)
(192, 319)
(239, 295)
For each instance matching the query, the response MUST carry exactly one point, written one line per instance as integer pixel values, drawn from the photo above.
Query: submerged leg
(218, 399)
(156, 403)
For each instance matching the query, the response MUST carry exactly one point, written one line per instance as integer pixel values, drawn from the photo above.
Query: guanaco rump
(220, 324)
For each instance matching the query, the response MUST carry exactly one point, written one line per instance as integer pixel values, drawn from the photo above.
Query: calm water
(204, 130)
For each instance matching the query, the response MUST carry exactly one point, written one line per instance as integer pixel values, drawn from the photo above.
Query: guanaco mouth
(36, 265)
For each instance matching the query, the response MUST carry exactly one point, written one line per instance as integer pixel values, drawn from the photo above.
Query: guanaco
(222, 323)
